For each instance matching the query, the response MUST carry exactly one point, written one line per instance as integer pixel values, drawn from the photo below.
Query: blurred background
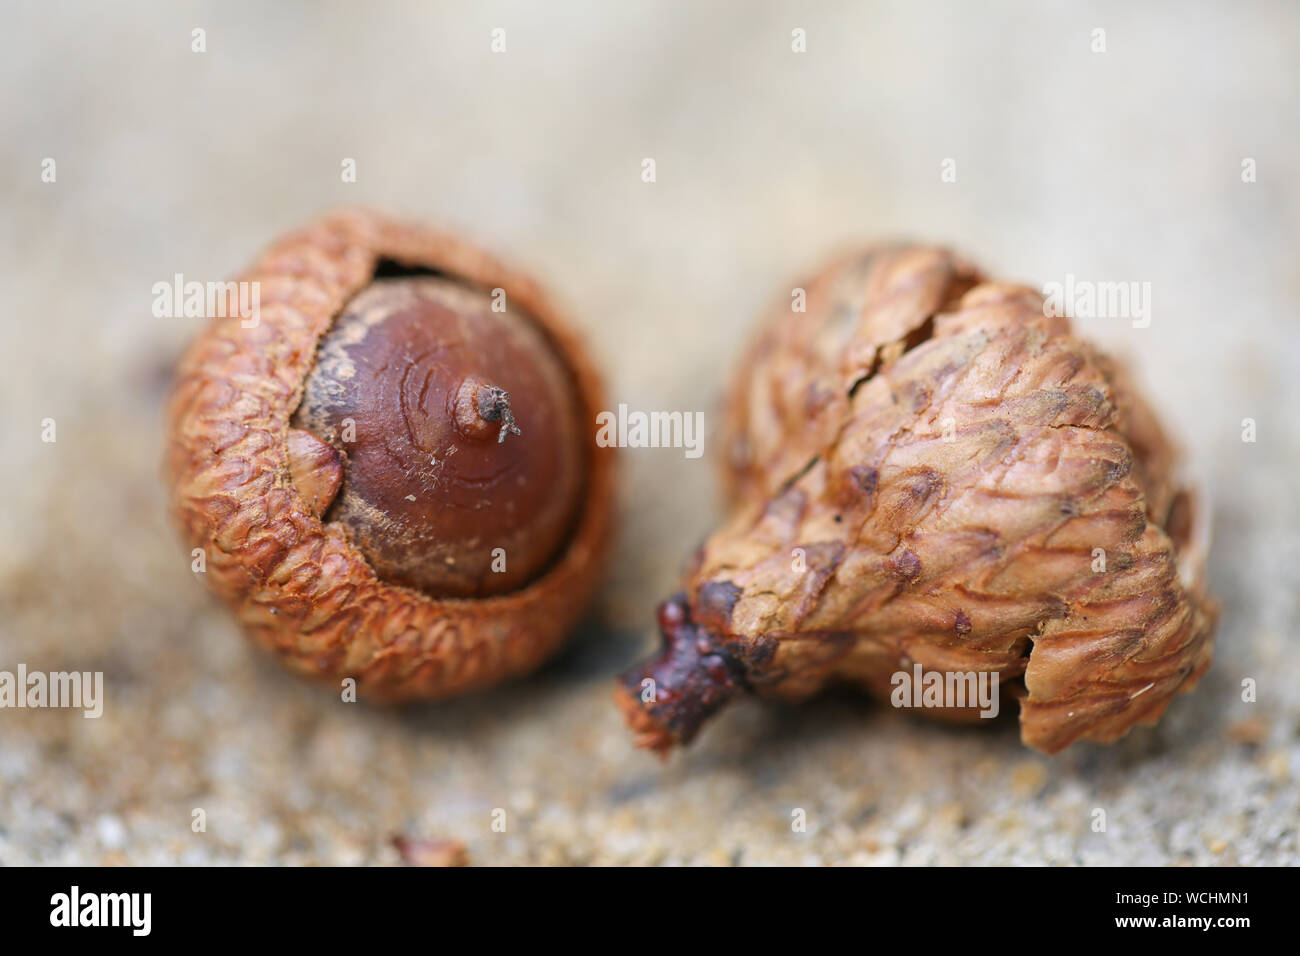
(1169, 155)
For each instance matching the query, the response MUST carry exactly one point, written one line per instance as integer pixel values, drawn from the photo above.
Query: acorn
(391, 474)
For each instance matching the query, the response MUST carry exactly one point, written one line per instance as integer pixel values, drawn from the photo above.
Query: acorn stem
(667, 698)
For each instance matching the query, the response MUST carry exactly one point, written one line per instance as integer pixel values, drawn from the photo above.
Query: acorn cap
(929, 469)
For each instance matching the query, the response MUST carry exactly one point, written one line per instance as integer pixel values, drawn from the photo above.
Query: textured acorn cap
(927, 469)
(298, 585)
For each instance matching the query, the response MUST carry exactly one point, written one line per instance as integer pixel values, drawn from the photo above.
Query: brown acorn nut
(389, 472)
(928, 469)
(414, 385)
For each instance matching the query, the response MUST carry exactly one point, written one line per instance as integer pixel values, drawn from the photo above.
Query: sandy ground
(1117, 165)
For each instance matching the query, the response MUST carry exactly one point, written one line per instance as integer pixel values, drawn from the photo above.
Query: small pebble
(1252, 731)
(111, 832)
(1028, 778)
(431, 852)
